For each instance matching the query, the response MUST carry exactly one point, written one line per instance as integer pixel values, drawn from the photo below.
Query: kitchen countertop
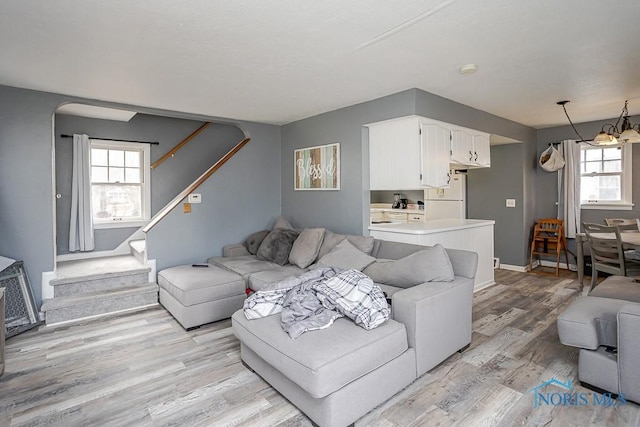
(431, 226)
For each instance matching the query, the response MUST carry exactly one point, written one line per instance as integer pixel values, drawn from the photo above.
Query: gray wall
(546, 182)
(27, 201)
(26, 180)
(167, 180)
(346, 211)
(504, 180)
(242, 197)
(340, 211)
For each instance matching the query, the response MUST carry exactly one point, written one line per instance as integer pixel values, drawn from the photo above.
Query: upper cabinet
(416, 152)
(469, 149)
(408, 153)
(394, 155)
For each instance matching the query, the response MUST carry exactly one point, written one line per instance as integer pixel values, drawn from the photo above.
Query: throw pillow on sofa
(252, 243)
(281, 222)
(345, 255)
(428, 265)
(277, 245)
(306, 247)
(363, 243)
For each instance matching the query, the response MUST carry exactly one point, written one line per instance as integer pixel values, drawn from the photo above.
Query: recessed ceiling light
(468, 69)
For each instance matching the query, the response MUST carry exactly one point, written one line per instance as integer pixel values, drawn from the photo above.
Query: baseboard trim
(518, 268)
(543, 263)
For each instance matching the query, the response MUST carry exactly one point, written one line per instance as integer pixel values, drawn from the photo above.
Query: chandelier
(611, 134)
(625, 133)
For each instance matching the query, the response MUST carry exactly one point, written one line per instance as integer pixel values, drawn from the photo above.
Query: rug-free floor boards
(143, 369)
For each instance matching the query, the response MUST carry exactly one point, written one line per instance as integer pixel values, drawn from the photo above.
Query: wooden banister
(191, 188)
(171, 152)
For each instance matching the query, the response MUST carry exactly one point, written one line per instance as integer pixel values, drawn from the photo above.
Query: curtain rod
(114, 139)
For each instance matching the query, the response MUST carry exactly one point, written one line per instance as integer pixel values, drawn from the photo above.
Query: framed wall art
(317, 168)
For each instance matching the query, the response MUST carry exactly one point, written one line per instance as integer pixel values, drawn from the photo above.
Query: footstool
(199, 295)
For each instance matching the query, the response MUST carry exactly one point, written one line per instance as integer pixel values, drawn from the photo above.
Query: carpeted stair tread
(90, 298)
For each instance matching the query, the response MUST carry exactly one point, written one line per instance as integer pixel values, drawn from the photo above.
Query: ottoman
(198, 295)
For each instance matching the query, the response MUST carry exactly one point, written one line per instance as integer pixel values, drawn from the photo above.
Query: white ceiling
(280, 61)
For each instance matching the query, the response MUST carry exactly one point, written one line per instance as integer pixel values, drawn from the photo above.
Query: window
(119, 184)
(605, 177)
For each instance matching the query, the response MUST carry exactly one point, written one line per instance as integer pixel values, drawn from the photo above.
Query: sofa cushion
(259, 280)
(252, 243)
(196, 285)
(428, 265)
(243, 265)
(590, 322)
(306, 247)
(364, 243)
(277, 245)
(345, 255)
(618, 287)
(325, 360)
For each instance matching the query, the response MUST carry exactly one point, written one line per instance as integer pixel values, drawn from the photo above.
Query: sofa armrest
(628, 351)
(234, 250)
(437, 316)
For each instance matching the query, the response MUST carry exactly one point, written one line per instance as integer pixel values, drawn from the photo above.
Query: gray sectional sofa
(605, 326)
(338, 374)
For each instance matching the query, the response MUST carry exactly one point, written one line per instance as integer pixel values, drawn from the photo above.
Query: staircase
(99, 286)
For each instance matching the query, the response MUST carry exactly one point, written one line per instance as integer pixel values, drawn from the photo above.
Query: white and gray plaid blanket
(316, 298)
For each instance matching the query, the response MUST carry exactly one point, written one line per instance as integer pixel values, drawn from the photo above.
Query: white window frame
(145, 149)
(626, 202)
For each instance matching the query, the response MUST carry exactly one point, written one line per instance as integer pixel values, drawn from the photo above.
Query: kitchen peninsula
(470, 234)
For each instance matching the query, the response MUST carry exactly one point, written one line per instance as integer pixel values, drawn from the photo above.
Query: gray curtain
(569, 188)
(81, 225)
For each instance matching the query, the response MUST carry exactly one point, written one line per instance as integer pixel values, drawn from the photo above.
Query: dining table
(630, 240)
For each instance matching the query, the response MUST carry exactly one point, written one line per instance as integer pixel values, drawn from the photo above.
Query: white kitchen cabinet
(461, 146)
(415, 217)
(469, 149)
(394, 155)
(416, 152)
(435, 147)
(482, 150)
(396, 216)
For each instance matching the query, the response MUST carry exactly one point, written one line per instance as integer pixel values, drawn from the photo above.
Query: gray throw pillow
(281, 222)
(345, 255)
(306, 247)
(363, 243)
(277, 245)
(252, 243)
(429, 265)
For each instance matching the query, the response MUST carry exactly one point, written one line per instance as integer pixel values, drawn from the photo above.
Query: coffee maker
(398, 202)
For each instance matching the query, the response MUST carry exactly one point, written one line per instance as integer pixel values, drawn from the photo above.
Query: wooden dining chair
(548, 240)
(607, 252)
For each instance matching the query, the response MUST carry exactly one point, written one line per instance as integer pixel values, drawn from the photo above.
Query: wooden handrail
(191, 188)
(171, 152)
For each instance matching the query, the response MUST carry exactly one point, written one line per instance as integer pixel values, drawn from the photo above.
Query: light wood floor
(144, 369)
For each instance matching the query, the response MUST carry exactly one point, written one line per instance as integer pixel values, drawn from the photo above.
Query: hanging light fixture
(611, 134)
